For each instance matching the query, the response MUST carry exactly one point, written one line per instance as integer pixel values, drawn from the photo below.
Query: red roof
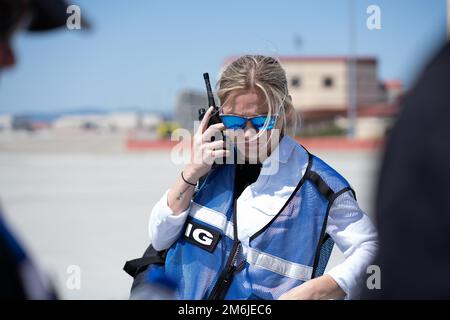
(374, 110)
(321, 113)
(378, 110)
(393, 84)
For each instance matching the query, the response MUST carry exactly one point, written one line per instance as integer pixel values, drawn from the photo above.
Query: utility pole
(448, 20)
(351, 72)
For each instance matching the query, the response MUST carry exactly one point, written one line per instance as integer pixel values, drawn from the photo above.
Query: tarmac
(85, 202)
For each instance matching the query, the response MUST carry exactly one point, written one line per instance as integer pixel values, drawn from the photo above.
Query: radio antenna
(211, 101)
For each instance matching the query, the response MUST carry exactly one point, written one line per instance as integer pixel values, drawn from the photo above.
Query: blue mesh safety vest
(207, 261)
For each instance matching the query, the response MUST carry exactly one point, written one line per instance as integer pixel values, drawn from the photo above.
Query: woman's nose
(249, 130)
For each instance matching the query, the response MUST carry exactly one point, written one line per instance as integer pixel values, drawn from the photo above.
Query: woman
(261, 230)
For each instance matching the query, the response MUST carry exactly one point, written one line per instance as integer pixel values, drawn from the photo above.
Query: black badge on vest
(201, 236)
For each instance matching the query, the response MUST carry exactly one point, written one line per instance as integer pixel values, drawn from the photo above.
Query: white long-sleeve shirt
(351, 229)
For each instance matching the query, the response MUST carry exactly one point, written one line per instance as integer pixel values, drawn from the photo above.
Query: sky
(141, 53)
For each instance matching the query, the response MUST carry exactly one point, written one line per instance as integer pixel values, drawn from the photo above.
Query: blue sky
(140, 53)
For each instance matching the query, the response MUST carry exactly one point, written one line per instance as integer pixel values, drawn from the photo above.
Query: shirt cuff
(336, 274)
(350, 275)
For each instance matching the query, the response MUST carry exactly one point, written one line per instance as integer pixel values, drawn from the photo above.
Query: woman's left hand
(323, 287)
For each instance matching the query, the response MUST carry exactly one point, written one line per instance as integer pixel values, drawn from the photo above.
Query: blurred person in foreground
(19, 278)
(413, 204)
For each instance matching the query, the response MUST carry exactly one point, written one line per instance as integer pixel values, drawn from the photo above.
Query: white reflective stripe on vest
(255, 257)
(279, 265)
(212, 217)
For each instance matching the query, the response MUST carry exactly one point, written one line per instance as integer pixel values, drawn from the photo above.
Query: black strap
(324, 236)
(235, 229)
(322, 186)
(222, 284)
(330, 195)
(151, 256)
(136, 266)
(299, 185)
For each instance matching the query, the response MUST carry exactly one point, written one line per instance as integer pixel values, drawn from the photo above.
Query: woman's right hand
(203, 154)
(203, 151)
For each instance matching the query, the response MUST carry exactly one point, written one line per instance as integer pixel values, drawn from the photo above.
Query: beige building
(319, 87)
(322, 83)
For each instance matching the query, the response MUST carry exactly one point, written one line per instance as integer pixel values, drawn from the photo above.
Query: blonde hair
(266, 74)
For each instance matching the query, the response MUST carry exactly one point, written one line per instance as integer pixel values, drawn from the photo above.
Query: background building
(319, 87)
(321, 83)
(110, 122)
(6, 122)
(187, 104)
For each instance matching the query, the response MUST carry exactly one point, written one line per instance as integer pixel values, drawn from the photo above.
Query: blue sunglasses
(235, 122)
